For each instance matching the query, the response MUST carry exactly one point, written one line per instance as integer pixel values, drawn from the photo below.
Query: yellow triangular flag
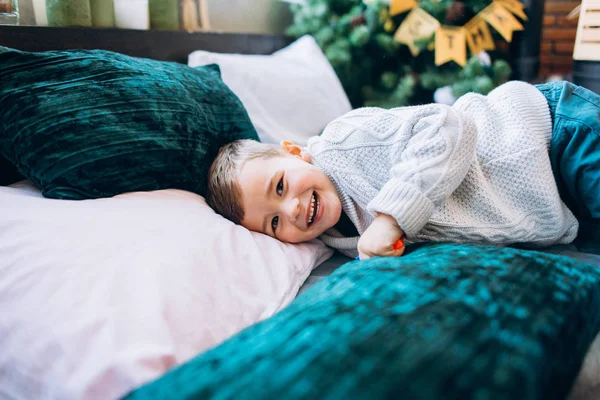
(450, 45)
(479, 36)
(515, 7)
(418, 24)
(502, 20)
(400, 6)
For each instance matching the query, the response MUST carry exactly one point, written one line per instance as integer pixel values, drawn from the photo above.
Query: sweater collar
(348, 205)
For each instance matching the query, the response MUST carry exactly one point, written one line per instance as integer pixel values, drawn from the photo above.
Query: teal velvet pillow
(86, 124)
(443, 322)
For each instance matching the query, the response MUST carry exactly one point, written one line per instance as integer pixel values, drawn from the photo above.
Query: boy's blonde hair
(224, 192)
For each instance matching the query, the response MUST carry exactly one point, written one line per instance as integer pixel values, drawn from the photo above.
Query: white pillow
(289, 95)
(98, 297)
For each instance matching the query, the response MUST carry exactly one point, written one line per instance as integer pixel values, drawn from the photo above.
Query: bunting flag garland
(451, 41)
(418, 24)
(515, 7)
(450, 45)
(502, 20)
(479, 37)
(400, 6)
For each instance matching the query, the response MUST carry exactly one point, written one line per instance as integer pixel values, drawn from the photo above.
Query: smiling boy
(479, 171)
(311, 204)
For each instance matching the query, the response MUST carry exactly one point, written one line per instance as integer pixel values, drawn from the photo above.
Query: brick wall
(558, 38)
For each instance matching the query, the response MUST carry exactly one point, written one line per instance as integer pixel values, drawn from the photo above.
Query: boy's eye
(279, 188)
(274, 223)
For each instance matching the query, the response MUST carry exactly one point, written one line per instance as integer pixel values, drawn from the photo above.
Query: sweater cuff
(405, 202)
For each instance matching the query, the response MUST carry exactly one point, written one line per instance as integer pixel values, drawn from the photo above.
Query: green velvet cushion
(87, 124)
(443, 322)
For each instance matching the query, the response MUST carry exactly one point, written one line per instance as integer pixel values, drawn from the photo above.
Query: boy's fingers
(398, 248)
(399, 252)
(364, 255)
(365, 251)
(399, 244)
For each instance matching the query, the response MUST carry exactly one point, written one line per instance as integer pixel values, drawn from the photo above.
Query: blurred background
(386, 52)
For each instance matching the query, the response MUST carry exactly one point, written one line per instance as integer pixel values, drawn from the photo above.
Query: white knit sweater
(475, 172)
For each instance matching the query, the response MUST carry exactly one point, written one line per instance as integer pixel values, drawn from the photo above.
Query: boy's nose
(292, 209)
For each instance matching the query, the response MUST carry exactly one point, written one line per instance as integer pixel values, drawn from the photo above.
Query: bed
(143, 307)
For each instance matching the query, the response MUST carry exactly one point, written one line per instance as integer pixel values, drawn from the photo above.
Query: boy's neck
(345, 226)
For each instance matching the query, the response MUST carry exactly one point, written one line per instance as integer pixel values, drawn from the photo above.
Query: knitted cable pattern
(476, 172)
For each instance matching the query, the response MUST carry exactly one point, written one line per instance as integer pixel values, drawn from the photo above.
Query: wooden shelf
(159, 45)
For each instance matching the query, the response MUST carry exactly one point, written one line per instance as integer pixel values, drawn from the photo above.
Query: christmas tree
(357, 36)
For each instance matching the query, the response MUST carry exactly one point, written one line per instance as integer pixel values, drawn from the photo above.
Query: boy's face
(288, 198)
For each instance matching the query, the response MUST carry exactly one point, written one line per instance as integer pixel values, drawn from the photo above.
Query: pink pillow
(101, 296)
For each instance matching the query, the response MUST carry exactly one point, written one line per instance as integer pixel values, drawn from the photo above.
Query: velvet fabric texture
(88, 123)
(443, 322)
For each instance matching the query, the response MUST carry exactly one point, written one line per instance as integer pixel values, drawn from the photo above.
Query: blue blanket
(444, 321)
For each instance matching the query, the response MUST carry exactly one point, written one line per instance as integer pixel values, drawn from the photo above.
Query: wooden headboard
(159, 45)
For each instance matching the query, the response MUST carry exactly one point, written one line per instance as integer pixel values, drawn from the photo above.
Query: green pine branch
(376, 70)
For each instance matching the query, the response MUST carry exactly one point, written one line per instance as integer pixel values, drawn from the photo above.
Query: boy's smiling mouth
(313, 209)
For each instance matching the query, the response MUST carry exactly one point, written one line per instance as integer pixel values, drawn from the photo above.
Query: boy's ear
(294, 150)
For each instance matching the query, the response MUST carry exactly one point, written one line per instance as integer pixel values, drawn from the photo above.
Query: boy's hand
(380, 237)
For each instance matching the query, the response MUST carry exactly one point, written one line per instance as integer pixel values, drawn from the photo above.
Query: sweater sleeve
(434, 149)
